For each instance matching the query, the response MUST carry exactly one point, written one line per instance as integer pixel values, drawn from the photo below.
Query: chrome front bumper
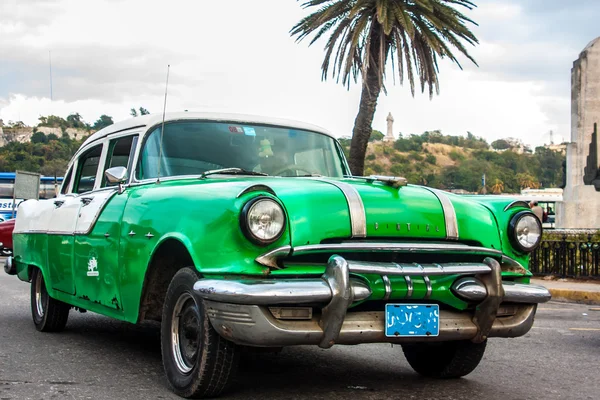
(238, 309)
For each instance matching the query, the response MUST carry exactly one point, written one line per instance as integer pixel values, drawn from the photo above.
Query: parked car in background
(236, 230)
(6, 231)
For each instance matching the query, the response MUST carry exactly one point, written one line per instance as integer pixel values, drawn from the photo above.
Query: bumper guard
(236, 307)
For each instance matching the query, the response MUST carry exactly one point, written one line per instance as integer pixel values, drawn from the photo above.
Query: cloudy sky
(237, 56)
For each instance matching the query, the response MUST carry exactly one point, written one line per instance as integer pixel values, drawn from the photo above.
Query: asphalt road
(99, 358)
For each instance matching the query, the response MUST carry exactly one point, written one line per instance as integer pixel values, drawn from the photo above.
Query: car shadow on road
(365, 371)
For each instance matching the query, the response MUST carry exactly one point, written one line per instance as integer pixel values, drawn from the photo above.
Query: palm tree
(367, 35)
(498, 187)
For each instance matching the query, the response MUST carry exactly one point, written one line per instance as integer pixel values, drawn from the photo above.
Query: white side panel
(64, 218)
(91, 206)
(34, 216)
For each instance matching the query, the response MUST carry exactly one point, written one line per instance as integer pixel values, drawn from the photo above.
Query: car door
(65, 215)
(96, 248)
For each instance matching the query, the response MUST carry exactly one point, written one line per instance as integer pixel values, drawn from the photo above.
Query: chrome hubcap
(40, 295)
(185, 333)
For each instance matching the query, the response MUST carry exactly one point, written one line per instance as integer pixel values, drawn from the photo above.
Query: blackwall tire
(49, 315)
(198, 362)
(446, 360)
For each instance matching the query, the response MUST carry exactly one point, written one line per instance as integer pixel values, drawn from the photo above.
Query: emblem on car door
(92, 267)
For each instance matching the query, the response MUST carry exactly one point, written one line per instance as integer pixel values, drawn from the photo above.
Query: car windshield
(192, 148)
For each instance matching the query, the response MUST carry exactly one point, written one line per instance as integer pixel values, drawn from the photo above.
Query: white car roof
(153, 119)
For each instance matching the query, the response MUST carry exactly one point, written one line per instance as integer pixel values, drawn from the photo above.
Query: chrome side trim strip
(388, 287)
(428, 285)
(409, 286)
(516, 203)
(449, 214)
(358, 217)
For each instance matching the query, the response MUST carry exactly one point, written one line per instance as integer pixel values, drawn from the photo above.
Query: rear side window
(67, 181)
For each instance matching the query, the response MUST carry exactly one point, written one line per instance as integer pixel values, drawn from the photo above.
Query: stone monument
(581, 202)
(389, 136)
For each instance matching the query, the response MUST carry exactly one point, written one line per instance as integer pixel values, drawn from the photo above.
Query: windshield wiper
(231, 171)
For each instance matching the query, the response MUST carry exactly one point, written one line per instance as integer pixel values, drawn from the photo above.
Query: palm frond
(369, 35)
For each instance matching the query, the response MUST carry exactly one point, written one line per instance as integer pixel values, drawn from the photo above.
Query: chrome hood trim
(358, 216)
(449, 213)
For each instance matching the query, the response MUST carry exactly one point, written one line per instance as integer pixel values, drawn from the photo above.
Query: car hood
(327, 209)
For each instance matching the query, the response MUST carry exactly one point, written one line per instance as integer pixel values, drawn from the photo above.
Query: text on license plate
(412, 320)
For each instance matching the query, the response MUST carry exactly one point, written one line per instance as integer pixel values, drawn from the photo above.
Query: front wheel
(444, 360)
(49, 315)
(197, 361)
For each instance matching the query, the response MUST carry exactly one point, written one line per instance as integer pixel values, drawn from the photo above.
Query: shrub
(430, 158)
(371, 157)
(377, 168)
(399, 159)
(456, 156)
(413, 155)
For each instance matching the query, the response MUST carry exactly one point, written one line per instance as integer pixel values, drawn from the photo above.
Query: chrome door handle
(58, 203)
(86, 200)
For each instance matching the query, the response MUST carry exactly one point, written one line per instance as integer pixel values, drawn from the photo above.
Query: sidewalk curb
(575, 296)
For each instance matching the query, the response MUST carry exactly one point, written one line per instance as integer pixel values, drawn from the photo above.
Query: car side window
(120, 155)
(87, 169)
(66, 181)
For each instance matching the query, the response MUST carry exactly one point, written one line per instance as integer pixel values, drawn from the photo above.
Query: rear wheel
(49, 315)
(444, 360)
(197, 361)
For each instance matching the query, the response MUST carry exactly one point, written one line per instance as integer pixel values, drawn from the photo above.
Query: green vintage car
(239, 231)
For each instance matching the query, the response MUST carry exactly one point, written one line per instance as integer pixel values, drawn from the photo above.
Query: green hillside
(457, 162)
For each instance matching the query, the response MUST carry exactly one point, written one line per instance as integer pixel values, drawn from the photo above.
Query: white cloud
(237, 56)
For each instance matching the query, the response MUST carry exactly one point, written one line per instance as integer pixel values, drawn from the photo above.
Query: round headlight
(262, 220)
(525, 231)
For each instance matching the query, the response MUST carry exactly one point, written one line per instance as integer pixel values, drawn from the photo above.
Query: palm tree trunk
(364, 119)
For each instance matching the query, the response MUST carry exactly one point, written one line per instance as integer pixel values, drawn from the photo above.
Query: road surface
(100, 358)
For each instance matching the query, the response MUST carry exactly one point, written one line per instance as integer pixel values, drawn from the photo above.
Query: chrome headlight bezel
(245, 216)
(514, 225)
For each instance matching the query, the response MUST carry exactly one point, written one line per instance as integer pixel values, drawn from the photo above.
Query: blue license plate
(412, 320)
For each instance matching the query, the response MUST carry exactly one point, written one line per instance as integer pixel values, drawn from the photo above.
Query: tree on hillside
(133, 112)
(102, 122)
(16, 124)
(376, 135)
(500, 144)
(39, 137)
(368, 35)
(75, 121)
(53, 121)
